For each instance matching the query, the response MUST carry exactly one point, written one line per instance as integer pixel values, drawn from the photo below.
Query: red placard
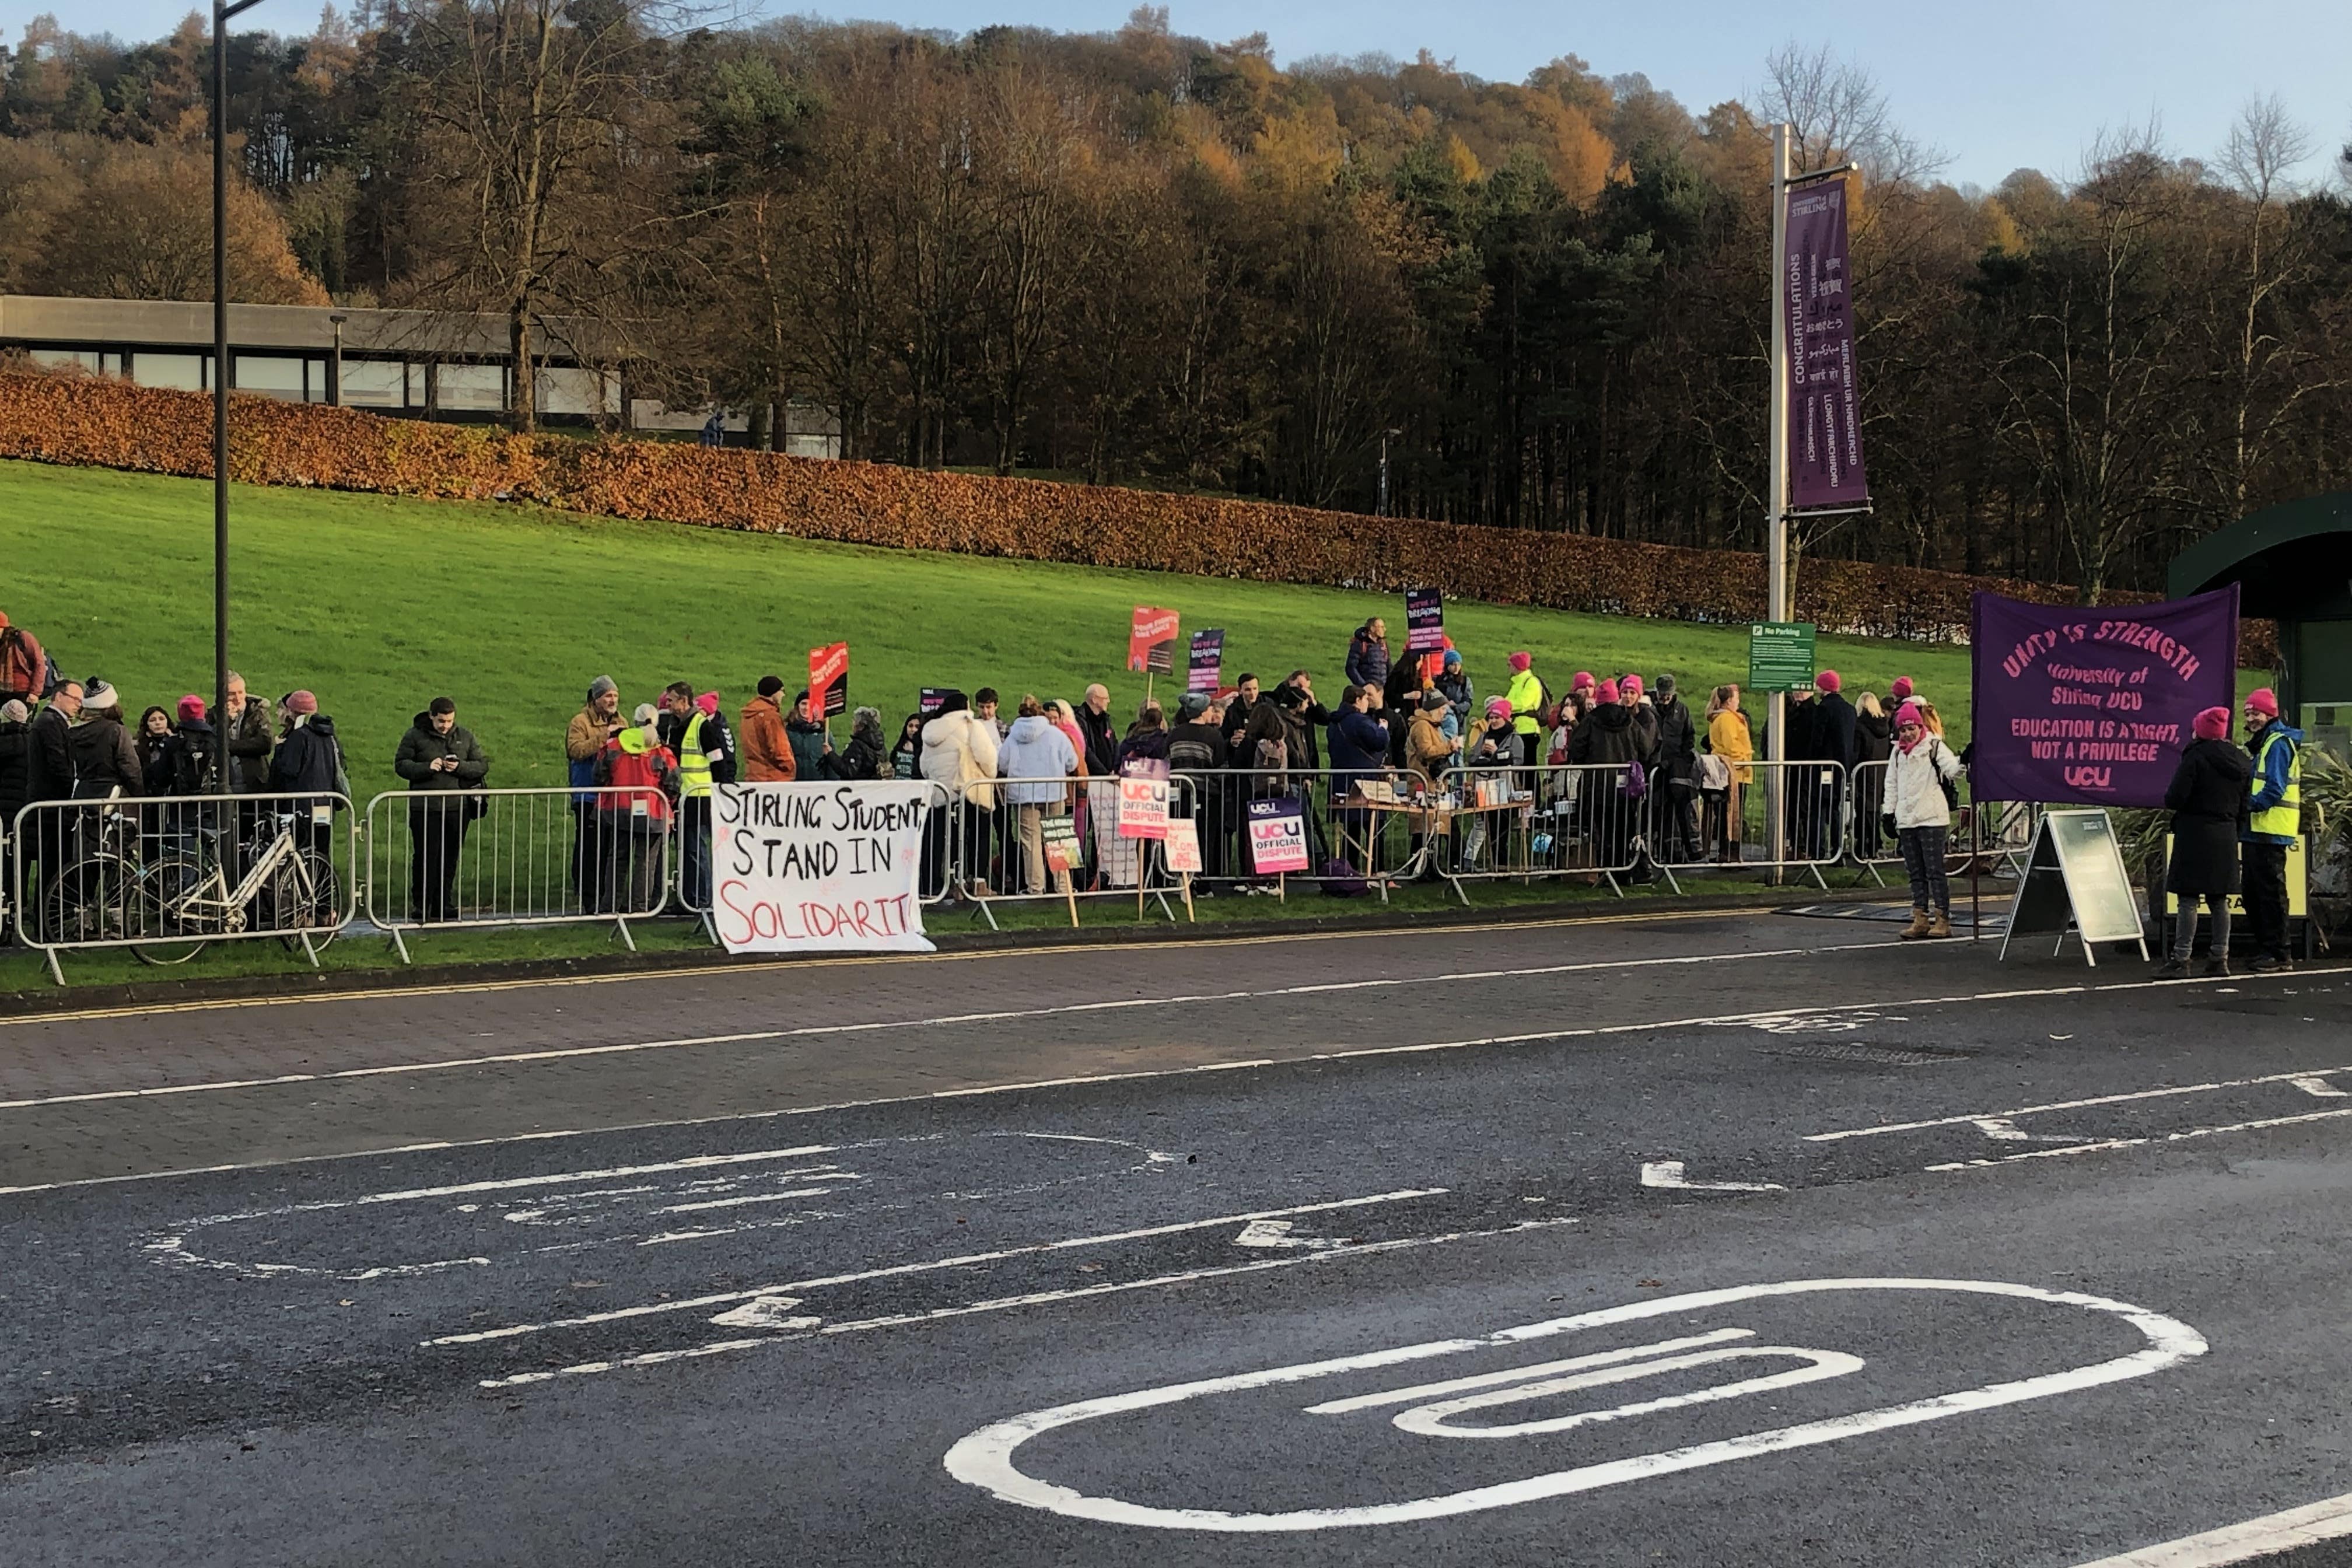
(1151, 640)
(829, 681)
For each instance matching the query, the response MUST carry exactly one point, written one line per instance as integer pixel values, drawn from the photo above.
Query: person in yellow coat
(1727, 737)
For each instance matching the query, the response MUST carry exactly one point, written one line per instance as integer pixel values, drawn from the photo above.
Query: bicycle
(289, 887)
(91, 898)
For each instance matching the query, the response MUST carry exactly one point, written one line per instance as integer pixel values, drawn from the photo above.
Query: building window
(180, 373)
(561, 390)
(471, 387)
(274, 378)
(375, 384)
(86, 359)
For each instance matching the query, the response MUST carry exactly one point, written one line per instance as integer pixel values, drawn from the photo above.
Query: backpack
(1273, 756)
(25, 667)
(1341, 881)
(1547, 708)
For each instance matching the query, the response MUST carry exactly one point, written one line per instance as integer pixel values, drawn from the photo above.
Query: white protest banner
(819, 867)
(1144, 799)
(1183, 847)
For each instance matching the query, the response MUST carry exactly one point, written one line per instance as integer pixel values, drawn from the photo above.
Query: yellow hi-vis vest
(693, 767)
(2286, 818)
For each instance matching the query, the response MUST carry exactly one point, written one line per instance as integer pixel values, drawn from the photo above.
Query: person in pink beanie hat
(2208, 798)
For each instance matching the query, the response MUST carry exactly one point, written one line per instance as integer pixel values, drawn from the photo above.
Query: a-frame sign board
(2074, 880)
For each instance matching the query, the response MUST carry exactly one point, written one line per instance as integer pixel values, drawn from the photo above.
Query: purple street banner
(2094, 705)
(1824, 397)
(1207, 666)
(1424, 620)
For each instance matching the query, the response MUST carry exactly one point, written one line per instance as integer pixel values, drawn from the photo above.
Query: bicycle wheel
(298, 906)
(87, 902)
(158, 907)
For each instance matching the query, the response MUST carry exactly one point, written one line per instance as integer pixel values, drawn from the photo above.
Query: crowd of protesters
(1615, 774)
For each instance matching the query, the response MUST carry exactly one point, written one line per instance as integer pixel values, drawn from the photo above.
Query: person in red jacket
(635, 826)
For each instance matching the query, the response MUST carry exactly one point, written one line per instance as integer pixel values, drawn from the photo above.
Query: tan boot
(1916, 929)
(1940, 927)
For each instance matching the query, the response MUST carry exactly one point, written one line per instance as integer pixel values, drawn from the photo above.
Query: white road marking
(1434, 1420)
(766, 1312)
(1276, 1233)
(1038, 1299)
(1668, 1175)
(2123, 1099)
(2001, 1127)
(898, 1270)
(985, 1458)
(951, 1020)
(753, 1198)
(1521, 1374)
(2104, 1144)
(1032, 1085)
(2310, 1525)
(2312, 1084)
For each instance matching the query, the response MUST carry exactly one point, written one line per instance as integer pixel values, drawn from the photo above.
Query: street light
(335, 376)
(221, 15)
(1383, 510)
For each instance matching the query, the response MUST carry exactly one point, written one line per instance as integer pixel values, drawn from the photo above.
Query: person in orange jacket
(766, 750)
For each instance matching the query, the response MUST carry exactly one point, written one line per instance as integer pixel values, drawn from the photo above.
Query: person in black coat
(1824, 734)
(1873, 743)
(1674, 780)
(443, 764)
(2210, 798)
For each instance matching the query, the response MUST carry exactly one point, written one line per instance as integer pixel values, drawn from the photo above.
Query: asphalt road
(1744, 1239)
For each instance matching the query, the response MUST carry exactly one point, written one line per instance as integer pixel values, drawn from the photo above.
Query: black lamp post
(221, 15)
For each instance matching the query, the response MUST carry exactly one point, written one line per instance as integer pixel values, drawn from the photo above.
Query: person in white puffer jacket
(1916, 772)
(960, 751)
(1036, 751)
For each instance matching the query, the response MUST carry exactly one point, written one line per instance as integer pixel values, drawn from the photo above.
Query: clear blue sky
(1997, 84)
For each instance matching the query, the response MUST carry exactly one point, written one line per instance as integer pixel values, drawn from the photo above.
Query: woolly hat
(1630, 688)
(2263, 701)
(600, 685)
(1908, 714)
(707, 704)
(1452, 658)
(1607, 692)
(191, 709)
(14, 712)
(1522, 661)
(1665, 686)
(770, 684)
(1498, 708)
(1827, 681)
(1583, 681)
(1902, 688)
(1191, 705)
(2213, 724)
(301, 702)
(1435, 702)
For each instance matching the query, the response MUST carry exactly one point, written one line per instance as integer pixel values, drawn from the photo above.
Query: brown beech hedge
(90, 421)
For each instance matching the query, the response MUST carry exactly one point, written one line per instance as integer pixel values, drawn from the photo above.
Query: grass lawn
(378, 604)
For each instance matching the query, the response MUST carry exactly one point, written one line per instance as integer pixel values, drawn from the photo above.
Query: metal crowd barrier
(1690, 835)
(995, 852)
(166, 875)
(547, 855)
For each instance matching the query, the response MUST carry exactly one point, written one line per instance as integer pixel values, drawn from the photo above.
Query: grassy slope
(378, 604)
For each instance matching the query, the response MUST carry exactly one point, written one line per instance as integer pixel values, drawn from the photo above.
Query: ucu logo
(2090, 778)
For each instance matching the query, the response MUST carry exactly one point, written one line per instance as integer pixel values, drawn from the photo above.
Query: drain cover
(1867, 1056)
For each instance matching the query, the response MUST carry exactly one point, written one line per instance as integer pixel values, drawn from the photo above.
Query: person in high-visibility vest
(2274, 822)
(699, 742)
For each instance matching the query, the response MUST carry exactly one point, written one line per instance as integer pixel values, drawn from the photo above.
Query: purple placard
(2094, 705)
(1424, 620)
(1824, 397)
(1205, 669)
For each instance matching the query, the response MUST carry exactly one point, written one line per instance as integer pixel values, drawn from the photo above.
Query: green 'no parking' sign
(1781, 656)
